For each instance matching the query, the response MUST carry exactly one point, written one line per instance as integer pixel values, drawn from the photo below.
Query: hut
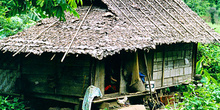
(112, 40)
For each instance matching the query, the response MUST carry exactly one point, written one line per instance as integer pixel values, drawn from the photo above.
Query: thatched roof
(125, 25)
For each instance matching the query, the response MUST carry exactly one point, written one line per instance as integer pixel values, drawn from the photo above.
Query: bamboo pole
(148, 76)
(73, 38)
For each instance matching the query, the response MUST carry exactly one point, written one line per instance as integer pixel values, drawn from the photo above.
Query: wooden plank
(37, 69)
(65, 85)
(133, 107)
(167, 73)
(120, 96)
(100, 75)
(71, 90)
(157, 75)
(73, 71)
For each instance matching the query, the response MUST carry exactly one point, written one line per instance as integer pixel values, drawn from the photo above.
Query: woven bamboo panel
(175, 80)
(169, 55)
(158, 83)
(7, 80)
(187, 78)
(173, 72)
(169, 64)
(188, 54)
(157, 75)
(181, 71)
(174, 55)
(180, 79)
(187, 70)
(157, 66)
(180, 54)
(158, 56)
(168, 81)
(179, 63)
(167, 73)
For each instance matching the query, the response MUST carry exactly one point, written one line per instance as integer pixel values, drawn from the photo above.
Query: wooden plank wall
(172, 66)
(42, 75)
(9, 73)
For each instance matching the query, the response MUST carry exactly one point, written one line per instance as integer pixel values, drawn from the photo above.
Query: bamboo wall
(172, 64)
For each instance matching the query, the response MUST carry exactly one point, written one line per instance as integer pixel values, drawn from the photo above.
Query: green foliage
(12, 104)
(45, 8)
(205, 8)
(198, 6)
(12, 25)
(210, 55)
(201, 98)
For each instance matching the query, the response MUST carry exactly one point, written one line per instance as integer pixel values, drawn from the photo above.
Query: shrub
(12, 104)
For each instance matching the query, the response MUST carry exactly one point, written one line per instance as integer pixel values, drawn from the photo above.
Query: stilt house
(112, 39)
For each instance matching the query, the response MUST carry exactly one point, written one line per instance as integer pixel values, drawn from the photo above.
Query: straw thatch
(125, 25)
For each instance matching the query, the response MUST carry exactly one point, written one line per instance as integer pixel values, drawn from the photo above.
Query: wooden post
(123, 83)
(100, 76)
(195, 46)
(163, 67)
(148, 76)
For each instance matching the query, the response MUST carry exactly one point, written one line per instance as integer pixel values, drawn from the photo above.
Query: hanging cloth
(91, 92)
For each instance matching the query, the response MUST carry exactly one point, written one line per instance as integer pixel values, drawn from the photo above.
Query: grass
(216, 27)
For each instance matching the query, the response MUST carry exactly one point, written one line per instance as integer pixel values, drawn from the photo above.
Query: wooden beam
(68, 99)
(121, 96)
